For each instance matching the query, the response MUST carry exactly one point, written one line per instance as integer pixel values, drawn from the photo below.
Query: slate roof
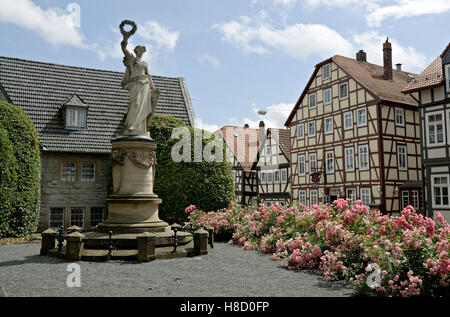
(244, 149)
(370, 76)
(41, 89)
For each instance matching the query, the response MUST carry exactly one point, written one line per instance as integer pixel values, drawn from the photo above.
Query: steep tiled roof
(432, 76)
(41, 89)
(369, 76)
(284, 140)
(242, 142)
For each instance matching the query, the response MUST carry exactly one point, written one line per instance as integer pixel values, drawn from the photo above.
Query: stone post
(75, 246)
(210, 235)
(201, 241)
(48, 241)
(146, 247)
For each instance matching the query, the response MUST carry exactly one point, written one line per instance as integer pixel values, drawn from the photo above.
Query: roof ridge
(75, 67)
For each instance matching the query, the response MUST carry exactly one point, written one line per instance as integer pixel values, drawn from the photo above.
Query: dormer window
(75, 118)
(75, 113)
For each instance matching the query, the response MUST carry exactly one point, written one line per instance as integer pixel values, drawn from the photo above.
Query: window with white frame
(268, 150)
(326, 71)
(405, 199)
(439, 185)
(97, 215)
(361, 115)
(327, 96)
(75, 118)
(234, 176)
(328, 125)
(329, 155)
(365, 195)
(77, 216)
(312, 162)
(343, 90)
(276, 175)
(302, 197)
(363, 157)
(350, 193)
(56, 218)
(270, 177)
(88, 172)
(402, 157)
(349, 159)
(435, 127)
(284, 175)
(400, 117)
(311, 128)
(263, 177)
(301, 164)
(68, 171)
(348, 120)
(415, 199)
(313, 196)
(312, 100)
(300, 130)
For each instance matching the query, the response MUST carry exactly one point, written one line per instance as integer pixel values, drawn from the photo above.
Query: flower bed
(403, 255)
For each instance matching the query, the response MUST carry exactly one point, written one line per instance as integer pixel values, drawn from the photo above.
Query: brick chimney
(246, 125)
(361, 56)
(262, 134)
(398, 66)
(387, 59)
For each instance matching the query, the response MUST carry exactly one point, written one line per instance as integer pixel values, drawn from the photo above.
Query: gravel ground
(225, 271)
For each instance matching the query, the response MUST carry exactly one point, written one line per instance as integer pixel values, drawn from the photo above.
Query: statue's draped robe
(137, 83)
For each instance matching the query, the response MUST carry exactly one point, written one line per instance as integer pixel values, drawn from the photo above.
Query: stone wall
(56, 193)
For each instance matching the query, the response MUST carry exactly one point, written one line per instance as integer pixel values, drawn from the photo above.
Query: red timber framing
(370, 137)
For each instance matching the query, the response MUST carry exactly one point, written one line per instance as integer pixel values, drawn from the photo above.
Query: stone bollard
(201, 241)
(48, 241)
(146, 247)
(74, 246)
(210, 235)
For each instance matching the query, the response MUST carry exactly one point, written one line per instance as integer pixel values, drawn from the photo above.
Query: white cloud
(371, 42)
(298, 40)
(275, 118)
(52, 24)
(407, 8)
(158, 35)
(209, 60)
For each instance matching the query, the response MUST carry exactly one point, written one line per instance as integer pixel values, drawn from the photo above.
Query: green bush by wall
(25, 206)
(208, 185)
(8, 181)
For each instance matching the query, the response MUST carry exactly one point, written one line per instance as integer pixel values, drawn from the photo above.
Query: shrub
(8, 182)
(23, 137)
(208, 184)
(410, 253)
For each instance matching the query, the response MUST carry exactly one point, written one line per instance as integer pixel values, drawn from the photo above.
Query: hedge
(25, 205)
(8, 181)
(206, 184)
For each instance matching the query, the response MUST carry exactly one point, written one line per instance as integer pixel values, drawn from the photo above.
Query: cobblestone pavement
(225, 271)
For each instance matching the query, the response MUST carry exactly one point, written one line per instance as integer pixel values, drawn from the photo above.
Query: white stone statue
(138, 81)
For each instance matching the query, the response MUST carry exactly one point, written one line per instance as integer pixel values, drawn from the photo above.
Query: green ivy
(24, 207)
(208, 185)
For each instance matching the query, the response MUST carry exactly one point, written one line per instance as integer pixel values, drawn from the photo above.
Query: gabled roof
(370, 76)
(432, 76)
(41, 89)
(284, 140)
(244, 149)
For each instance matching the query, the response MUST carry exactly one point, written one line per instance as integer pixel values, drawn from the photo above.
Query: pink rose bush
(341, 240)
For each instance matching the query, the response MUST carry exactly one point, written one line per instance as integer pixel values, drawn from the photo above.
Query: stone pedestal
(133, 207)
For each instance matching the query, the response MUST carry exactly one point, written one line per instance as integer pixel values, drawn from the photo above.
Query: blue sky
(237, 56)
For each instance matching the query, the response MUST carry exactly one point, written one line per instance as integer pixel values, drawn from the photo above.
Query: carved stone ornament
(133, 27)
(142, 159)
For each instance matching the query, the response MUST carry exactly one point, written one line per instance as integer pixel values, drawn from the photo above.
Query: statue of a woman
(137, 80)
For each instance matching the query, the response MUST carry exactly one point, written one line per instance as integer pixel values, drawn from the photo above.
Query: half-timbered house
(242, 148)
(354, 134)
(433, 89)
(274, 168)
